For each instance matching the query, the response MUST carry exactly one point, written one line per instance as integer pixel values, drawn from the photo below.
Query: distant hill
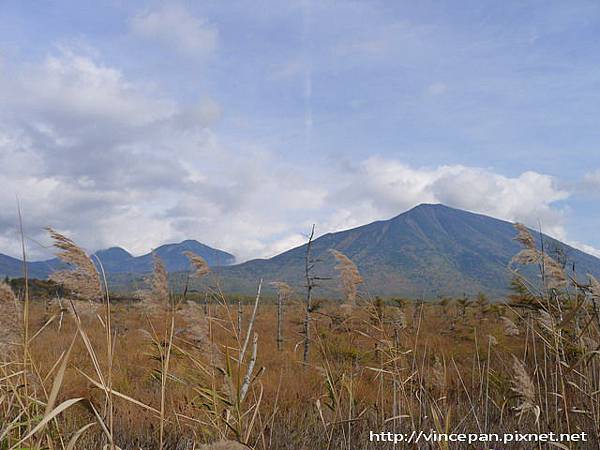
(116, 260)
(429, 251)
(13, 267)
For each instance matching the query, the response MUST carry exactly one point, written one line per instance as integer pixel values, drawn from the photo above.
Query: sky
(241, 123)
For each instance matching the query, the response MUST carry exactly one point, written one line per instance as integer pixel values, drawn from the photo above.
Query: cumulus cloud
(380, 187)
(173, 25)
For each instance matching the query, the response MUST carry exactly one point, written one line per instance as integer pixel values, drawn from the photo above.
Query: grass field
(163, 372)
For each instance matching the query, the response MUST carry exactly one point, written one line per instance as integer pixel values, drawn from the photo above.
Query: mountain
(428, 251)
(116, 260)
(10, 266)
(13, 267)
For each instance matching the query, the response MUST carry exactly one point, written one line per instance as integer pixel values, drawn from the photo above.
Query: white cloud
(381, 188)
(173, 25)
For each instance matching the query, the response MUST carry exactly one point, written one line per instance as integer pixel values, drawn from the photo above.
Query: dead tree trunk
(239, 318)
(308, 265)
(279, 322)
(283, 293)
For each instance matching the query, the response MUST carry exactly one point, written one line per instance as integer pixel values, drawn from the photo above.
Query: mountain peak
(191, 243)
(430, 205)
(433, 207)
(424, 208)
(114, 252)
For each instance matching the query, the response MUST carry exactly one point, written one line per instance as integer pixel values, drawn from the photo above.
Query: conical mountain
(428, 251)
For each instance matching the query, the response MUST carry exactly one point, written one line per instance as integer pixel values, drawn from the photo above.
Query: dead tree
(310, 284)
(239, 318)
(283, 292)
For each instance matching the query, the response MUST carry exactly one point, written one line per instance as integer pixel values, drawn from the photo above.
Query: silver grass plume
(83, 278)
(554, 273)
(194, 316)
(349, 275)
(439, 374)
(546, 321)
(523, 387)
(196, 324)
(595, 294)
(283, 289)
(594, 287)
(158, 296)
(399, 318)
(524, 236)
(191, 312)
(510, 329)
(198, 263)
(10, 319)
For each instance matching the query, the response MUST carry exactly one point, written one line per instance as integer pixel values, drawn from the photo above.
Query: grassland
(164, 372)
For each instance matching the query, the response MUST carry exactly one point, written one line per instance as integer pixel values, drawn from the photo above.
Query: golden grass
(352, 378)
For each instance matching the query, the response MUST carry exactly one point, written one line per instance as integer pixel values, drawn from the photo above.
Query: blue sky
(241, 123)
